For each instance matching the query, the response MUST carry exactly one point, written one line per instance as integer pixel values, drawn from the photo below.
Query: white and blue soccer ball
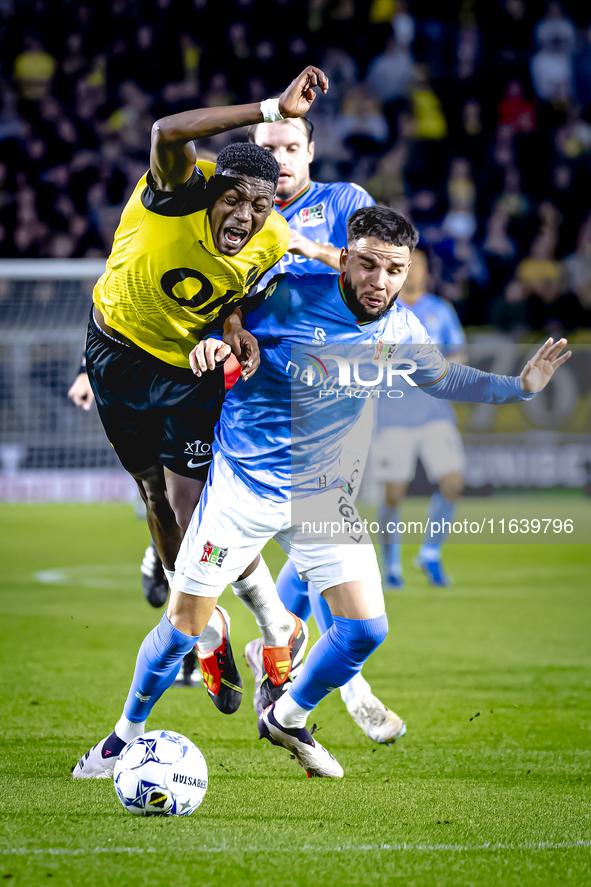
(160, 773)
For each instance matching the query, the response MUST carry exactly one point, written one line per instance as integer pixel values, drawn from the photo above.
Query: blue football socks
(441, 513)
(158, 663)
(337, 657)
(392, 544)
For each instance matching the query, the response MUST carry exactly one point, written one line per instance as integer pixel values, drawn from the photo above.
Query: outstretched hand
(539, 370)
(297, 99)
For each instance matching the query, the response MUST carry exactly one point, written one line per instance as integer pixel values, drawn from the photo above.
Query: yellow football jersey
(165, 282)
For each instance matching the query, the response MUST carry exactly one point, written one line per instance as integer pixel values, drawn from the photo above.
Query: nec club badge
(384, 350)
(213, 554)
(312, 215)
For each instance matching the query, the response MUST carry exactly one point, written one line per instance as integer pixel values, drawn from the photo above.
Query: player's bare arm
(539, 370)
(243, 344)
(323, 252)
(173, 155)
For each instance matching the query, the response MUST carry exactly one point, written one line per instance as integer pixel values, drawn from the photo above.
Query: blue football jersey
(320, 213)
(282, 431)
(445, 330)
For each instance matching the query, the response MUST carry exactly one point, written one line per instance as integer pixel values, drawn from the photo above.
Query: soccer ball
(160, 773)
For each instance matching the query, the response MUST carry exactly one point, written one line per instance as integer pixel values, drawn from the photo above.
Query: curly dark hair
(384, 224)
(248, 159)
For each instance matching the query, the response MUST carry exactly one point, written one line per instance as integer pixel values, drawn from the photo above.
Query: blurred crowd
(472, 117)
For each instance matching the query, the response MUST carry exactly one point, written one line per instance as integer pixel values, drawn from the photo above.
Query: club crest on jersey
(384, 350)
(213, 554)
(312, 215)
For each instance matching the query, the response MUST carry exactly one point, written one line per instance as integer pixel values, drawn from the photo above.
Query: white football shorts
(232, 524)
(438, 444)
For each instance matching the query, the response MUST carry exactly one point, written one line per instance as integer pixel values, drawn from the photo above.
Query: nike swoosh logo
(192, 464)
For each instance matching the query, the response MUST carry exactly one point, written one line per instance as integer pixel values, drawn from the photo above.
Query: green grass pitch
(489, 787)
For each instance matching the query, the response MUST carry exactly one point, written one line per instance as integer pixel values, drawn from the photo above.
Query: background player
(317, 213)
(417, 426)
(251, 485)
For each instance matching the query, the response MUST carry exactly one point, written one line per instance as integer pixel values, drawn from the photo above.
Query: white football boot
(379, 723)
(99, 762)
(312, 756)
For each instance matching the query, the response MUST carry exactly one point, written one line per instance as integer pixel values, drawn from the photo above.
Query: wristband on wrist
(270, 111)
(82, 368)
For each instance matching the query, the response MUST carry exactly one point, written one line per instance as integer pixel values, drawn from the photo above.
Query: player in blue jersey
(317, 214)
(419, 426)
(266, 463)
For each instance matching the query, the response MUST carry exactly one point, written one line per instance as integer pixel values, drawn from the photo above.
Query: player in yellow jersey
(193, 240)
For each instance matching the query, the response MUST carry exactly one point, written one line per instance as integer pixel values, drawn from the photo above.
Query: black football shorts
(153, 412)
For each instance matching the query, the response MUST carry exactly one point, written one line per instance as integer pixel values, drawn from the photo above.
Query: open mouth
(234, 238)
(373, 302)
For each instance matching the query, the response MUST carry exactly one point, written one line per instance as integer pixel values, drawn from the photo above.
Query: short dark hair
(384, 224)
(308, 125)
(248, 160)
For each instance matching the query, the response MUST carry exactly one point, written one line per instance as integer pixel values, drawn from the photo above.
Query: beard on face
(355, 306)
(293, 187)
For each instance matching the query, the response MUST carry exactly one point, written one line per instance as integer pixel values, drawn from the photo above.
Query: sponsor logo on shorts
(213, 554)
(193, 464)
(312, 215)
(200, 450)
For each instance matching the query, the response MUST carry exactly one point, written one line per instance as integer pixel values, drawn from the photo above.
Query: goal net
(49, 448)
